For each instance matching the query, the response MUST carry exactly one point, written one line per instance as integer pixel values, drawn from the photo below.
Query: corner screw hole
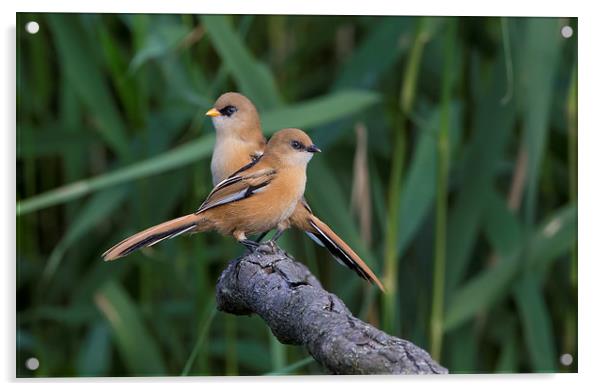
(566, 359)
(566, 31)
(32, 363)
(32, 27)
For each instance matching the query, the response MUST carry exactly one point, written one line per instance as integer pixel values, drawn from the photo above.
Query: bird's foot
(249, 244)
(268, 247)
(277, 235)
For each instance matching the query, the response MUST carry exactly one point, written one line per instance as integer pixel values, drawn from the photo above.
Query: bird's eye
(228, 110)
(297, 145)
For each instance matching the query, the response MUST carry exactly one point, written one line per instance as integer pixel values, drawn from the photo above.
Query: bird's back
(268, 195)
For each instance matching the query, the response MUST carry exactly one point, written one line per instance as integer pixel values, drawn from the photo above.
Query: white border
(590, 197)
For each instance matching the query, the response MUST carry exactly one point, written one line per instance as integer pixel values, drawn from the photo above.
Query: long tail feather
(326, 237)
(153, 235)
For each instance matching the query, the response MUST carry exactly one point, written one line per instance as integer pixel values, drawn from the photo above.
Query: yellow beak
(213, 113)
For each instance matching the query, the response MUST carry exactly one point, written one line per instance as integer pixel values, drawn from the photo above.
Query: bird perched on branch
(239, 142)
(257, 198)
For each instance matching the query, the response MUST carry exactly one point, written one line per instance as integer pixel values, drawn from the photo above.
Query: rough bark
(269, 283)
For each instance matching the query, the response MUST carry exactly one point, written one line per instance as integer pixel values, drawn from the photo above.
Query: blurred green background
(449, 164)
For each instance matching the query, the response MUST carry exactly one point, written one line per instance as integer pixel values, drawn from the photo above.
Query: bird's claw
(267, 247)
(249, 244)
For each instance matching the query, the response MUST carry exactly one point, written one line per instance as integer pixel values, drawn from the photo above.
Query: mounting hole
(32, 363)
(32, 27)
(566, 31)
(566, 359)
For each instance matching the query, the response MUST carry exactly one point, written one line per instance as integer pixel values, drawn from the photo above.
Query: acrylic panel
(448, 166)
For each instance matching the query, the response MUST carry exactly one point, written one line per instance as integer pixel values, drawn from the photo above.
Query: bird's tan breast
(230, 154)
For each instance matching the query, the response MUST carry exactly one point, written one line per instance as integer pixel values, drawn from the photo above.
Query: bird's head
(292, 147)
(233, 114)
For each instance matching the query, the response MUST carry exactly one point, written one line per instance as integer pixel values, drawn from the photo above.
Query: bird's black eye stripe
(228, 110)
(297, 145)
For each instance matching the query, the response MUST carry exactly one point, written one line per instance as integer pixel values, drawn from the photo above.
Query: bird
(258, 198)
(239, 143)
(238, 136)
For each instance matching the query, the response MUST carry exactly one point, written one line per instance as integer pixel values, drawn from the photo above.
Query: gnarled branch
(283, 292)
